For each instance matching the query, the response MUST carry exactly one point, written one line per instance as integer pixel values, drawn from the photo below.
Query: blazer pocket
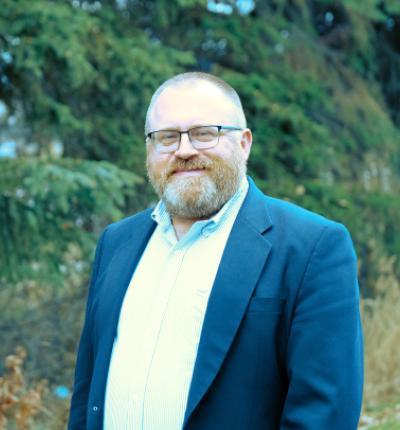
(266, 305)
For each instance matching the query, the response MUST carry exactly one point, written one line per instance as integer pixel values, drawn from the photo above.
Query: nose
(186, 150)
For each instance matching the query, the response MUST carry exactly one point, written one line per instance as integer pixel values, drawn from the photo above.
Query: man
(220, 308)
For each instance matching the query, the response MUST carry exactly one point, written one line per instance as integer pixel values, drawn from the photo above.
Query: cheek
(218, 152)
(223, 154)
(156, 163)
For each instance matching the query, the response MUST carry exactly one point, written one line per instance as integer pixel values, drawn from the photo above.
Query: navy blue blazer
(281, 343)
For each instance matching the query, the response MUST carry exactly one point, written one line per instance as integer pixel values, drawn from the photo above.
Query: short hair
(198, 76)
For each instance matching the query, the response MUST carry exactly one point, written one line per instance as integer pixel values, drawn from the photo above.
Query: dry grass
(381, 320)
(28, 406)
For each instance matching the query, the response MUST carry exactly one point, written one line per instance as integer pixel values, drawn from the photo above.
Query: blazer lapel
(244, 257)
(117, 277)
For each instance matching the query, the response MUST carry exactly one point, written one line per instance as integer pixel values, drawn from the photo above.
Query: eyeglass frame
(219, 127)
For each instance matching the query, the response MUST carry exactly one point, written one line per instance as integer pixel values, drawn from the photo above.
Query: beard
(196, 197)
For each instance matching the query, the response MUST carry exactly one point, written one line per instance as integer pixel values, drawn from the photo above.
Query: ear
(148, 144)
(246, 141)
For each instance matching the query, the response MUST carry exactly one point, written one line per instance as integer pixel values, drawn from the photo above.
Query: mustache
(191, 164)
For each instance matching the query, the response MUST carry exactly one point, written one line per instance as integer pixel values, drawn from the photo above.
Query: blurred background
(320, 84)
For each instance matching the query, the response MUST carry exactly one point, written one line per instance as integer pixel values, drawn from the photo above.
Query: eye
(167, 137)
(204, 133)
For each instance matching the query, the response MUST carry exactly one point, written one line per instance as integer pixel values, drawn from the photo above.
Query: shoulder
(282, 211)
(129, 228)
(279, 212)
(295, 223)
(132, 221)
(288, 222)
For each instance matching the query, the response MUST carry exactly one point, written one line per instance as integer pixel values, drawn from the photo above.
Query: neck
(182, 226)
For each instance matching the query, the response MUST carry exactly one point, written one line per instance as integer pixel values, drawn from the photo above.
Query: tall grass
(381, 322)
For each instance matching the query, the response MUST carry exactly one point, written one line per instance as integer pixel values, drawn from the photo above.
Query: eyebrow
(177, 128)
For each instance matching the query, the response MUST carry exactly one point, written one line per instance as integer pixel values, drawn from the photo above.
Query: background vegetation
(320, 83)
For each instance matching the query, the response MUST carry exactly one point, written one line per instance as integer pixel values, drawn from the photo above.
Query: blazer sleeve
(85, 356)
(324, 360)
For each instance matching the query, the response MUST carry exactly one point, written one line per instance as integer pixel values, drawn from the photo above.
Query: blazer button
(95, 408)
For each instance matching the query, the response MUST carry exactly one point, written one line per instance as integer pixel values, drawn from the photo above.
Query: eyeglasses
(204, 137)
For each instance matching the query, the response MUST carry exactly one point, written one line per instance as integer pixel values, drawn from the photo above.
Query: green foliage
(392, 7)
(50, 210)
(82, 79)
(51, 213)
(368, 8)
(83, 75)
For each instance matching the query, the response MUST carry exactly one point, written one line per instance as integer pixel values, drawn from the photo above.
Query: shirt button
(95, 408)
(206, 232)
(147, 347)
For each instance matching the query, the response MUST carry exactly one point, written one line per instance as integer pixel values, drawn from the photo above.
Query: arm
(324, 361)
(85, 358)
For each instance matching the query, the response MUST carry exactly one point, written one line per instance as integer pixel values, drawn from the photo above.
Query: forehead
(192, 103)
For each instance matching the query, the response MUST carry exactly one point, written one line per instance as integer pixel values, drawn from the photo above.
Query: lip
(191, 172)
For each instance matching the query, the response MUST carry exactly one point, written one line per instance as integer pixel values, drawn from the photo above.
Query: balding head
(195, 78)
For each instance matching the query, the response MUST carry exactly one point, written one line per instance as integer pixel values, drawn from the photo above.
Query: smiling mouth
(188, 172)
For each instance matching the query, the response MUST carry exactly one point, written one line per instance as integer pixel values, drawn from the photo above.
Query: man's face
(195, 184)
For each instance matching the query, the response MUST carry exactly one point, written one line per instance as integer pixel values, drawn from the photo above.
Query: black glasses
(203, 137)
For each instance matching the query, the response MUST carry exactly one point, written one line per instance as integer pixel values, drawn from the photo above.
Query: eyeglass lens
(200, 137)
